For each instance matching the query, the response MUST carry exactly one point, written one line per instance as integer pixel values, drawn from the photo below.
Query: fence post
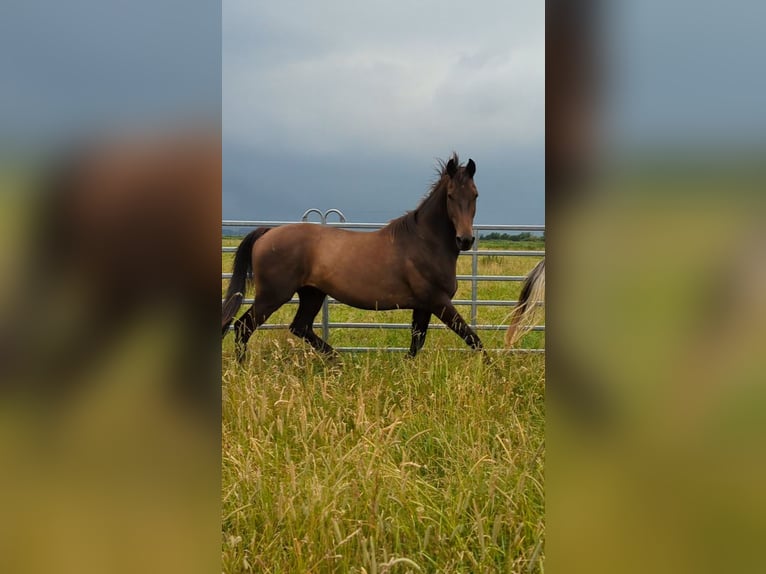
(325, 303)
(325, 319)
(474, 282)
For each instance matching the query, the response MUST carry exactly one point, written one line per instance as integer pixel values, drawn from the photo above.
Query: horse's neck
(433, 221)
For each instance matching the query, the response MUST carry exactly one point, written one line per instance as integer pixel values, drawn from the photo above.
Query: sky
(349, 105)
(84, 66)
(684, 74)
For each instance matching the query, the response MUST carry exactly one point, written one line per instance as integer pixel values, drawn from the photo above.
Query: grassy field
(377, 463)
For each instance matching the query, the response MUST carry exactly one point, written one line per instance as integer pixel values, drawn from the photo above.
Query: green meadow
(374, 462)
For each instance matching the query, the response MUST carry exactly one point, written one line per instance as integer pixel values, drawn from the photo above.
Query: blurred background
(110, 174)
(656, 316)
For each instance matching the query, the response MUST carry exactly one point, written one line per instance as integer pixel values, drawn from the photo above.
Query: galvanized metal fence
(474, 277)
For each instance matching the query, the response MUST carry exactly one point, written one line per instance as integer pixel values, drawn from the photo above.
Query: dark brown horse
(126, 229)
(408, 264)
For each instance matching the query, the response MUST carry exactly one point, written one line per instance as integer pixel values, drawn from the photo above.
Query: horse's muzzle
(464, 243)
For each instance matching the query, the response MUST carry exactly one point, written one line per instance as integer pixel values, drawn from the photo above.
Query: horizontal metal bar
(393, 326)
(426, 351)
(348, 225)
(480, 302)
(489, 303)
(481, 252)
(407, 326)
(250, 223)
(484, 227)
(504, 253)
(344, 225)
(406, 349)
(491, 277)
(459, 277)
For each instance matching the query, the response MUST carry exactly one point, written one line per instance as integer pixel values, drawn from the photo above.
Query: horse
(126, 228)
(408, 264)
(532, 292)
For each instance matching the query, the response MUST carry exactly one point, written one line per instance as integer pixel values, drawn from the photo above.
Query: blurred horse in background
(126, 227)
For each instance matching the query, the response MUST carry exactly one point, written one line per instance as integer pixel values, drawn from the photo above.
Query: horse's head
(461, 201)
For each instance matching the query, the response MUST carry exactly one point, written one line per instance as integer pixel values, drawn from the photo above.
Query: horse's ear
(470, 168)
(451, 167)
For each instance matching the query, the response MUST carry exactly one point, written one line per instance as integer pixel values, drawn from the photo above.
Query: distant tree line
(523, 236)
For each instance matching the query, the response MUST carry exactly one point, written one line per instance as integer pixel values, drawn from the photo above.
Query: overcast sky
(86, 65)
(685, 73)
(349, 104)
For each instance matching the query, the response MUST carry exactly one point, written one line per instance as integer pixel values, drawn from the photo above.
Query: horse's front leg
(420, 320)
(448, 314)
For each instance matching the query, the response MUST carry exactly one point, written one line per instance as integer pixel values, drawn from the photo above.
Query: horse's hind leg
(311, 300)
(243, 329)
(253, 318)
(420, 320)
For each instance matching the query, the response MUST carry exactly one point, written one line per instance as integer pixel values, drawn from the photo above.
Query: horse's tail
(238, 284)
(532, 292)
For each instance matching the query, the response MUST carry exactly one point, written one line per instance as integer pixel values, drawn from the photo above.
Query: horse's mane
(407, 221)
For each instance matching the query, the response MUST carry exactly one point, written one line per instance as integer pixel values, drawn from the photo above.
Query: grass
(526, 245)
(378, 463)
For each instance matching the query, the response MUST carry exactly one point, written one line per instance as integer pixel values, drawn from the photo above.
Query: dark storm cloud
(349, 105)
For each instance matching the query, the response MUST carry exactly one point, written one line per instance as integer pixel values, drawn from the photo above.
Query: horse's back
(285, 253)
(363, 269)
(286, 241)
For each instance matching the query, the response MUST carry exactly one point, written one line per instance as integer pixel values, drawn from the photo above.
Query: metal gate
(474, 277)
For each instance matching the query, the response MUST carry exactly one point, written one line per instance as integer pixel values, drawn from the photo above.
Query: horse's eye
(450, 196)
